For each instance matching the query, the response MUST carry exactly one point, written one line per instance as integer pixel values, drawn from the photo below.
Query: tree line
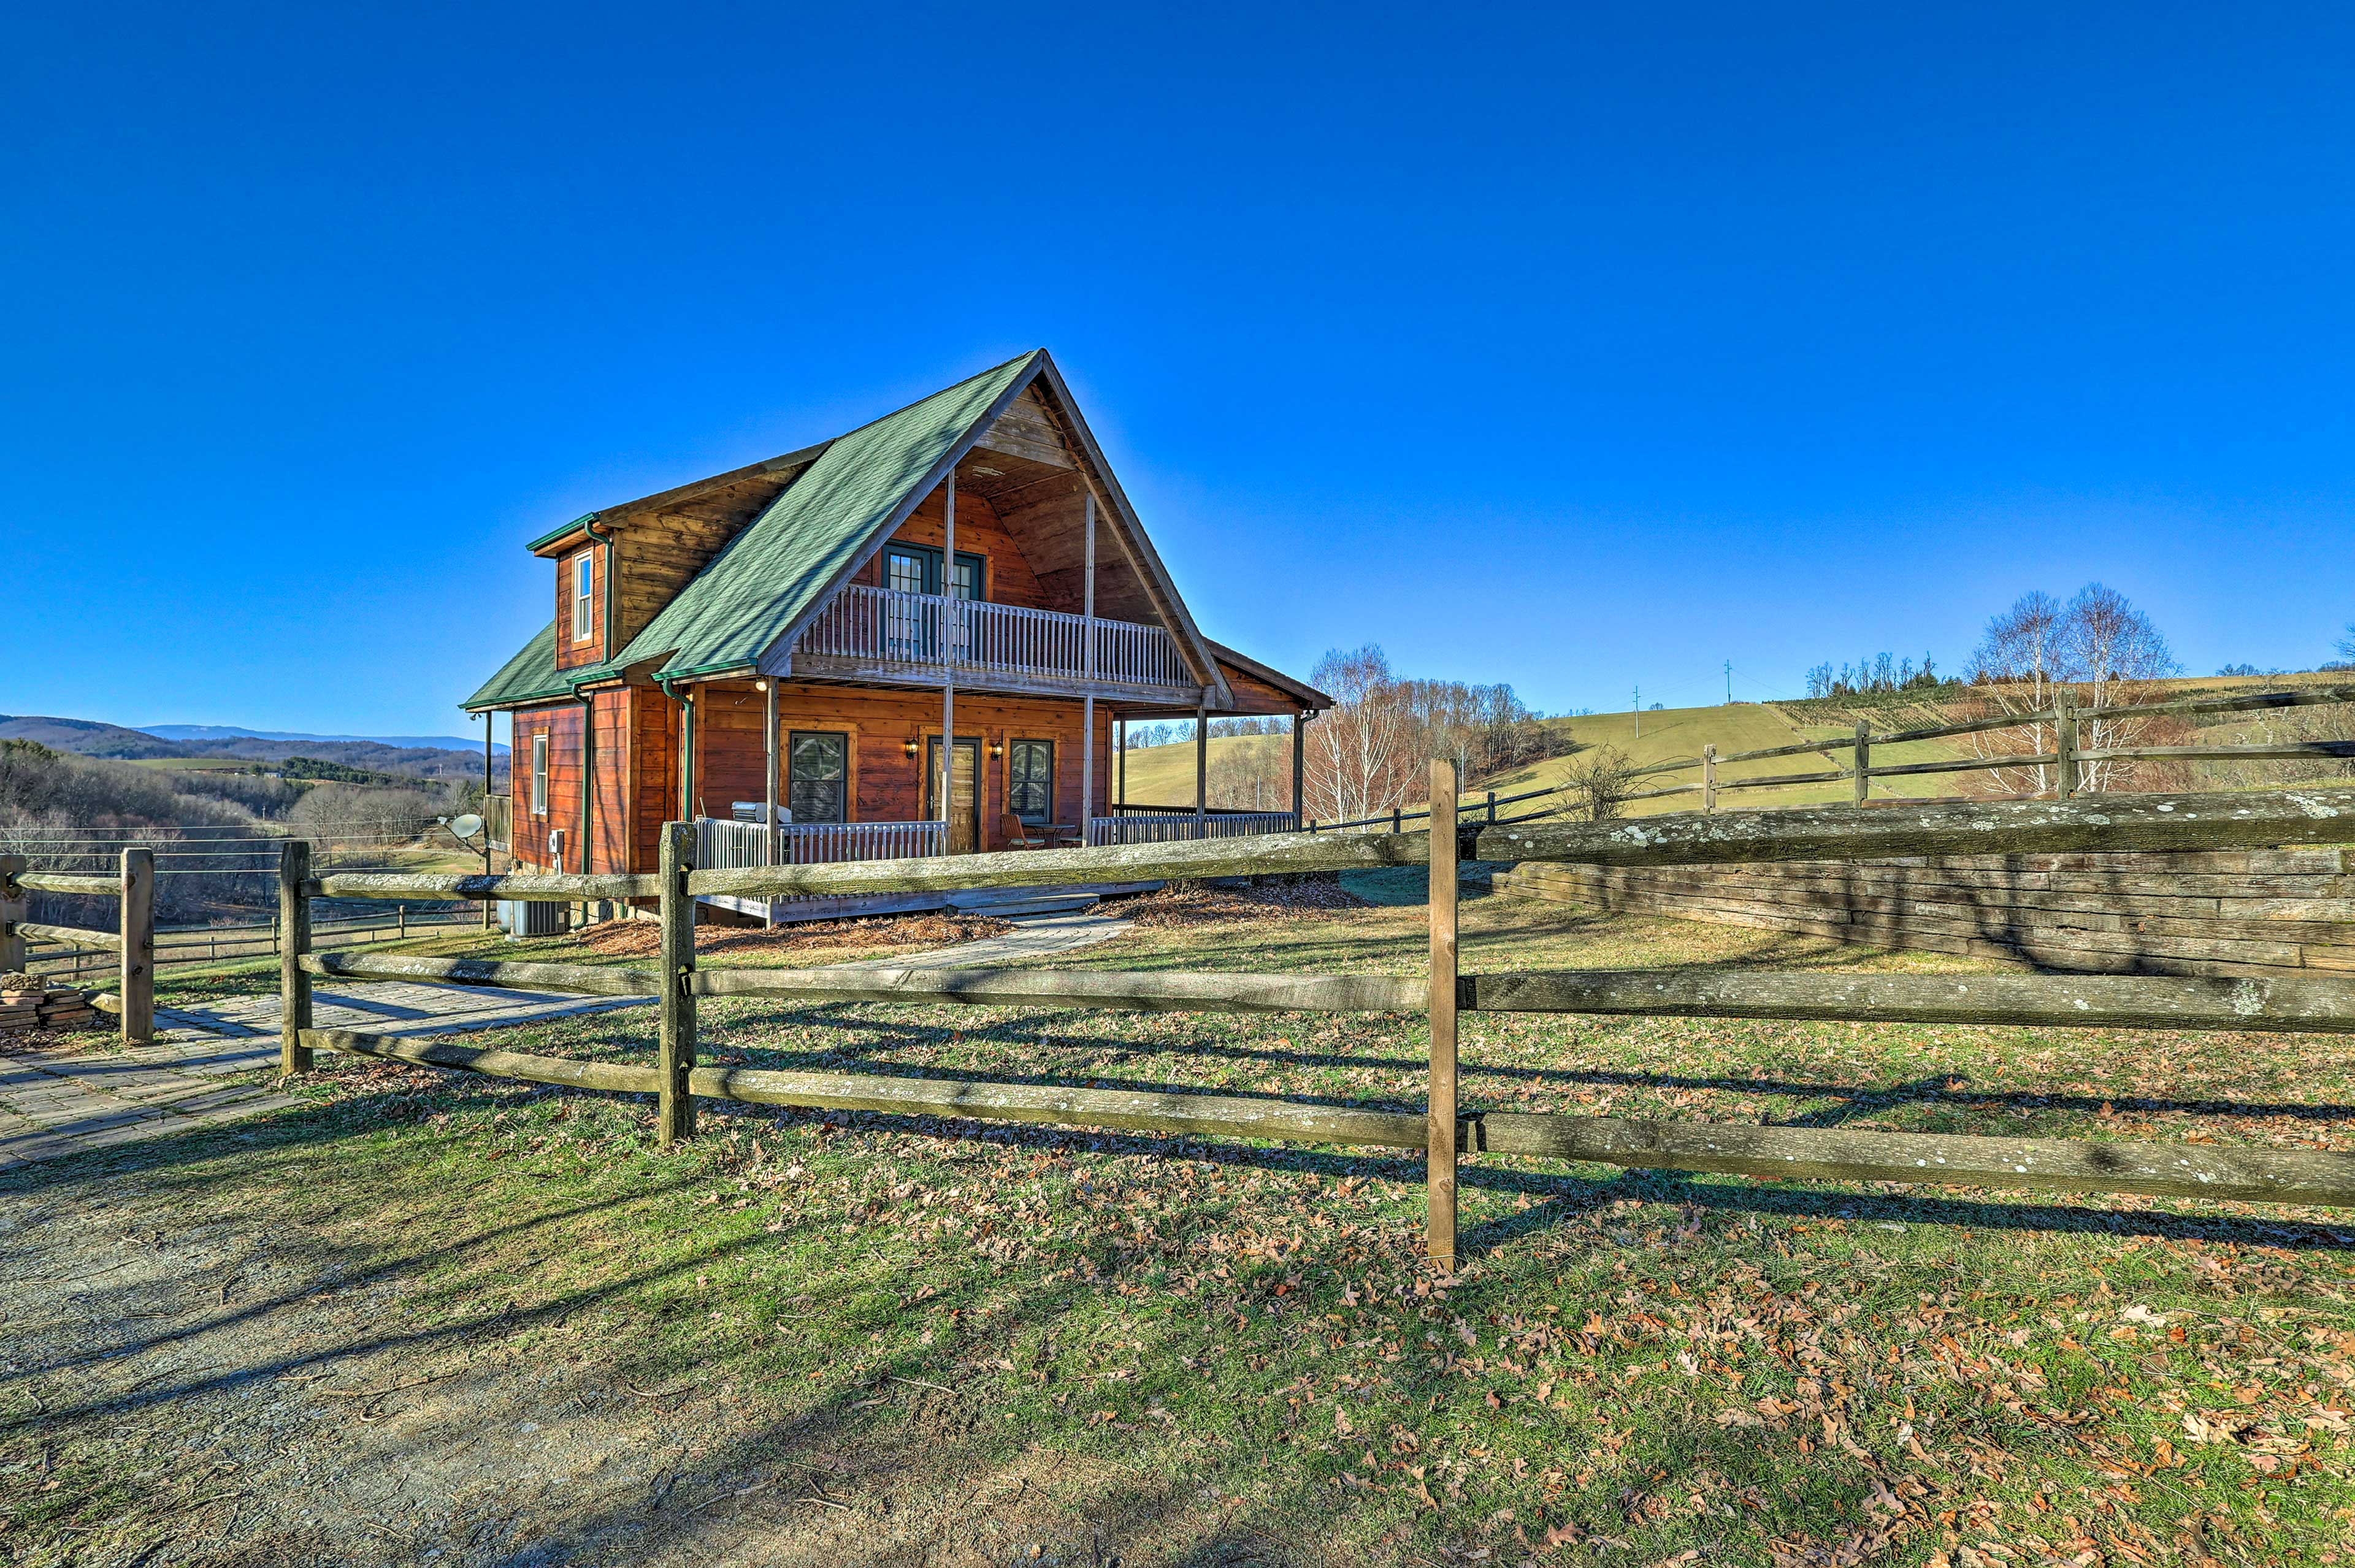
(1368, 754)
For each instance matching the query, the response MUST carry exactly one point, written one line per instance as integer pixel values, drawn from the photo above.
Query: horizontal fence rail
(2156, 1169)
(2189, 822)
(2065, 720)
(2044, 1001)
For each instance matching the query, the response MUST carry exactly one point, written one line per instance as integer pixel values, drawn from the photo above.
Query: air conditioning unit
(531, 917)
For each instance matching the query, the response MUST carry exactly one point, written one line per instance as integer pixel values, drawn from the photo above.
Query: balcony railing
(884, 629)
(731, 846)
(1171, 828)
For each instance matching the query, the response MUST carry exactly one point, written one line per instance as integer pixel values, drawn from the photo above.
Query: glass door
(965, 794)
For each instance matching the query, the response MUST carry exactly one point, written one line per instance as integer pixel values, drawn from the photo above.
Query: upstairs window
(584, 596)
(539, 775)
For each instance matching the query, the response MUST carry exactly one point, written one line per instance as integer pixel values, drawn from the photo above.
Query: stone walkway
(60, 1102)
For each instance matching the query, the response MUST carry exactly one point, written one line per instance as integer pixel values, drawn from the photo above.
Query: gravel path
(56, 1100)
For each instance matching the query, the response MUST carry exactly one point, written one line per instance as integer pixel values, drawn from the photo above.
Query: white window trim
(539, 775)
(584, 587)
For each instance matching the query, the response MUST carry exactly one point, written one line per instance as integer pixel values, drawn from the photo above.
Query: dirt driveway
(184, 1385)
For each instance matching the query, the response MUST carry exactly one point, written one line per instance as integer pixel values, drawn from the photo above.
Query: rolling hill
(91, 738)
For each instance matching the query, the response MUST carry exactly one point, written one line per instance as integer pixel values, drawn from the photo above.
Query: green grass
(1164, 775)
(1633, 1366)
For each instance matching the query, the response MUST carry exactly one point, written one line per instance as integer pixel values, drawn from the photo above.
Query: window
(539, 775)
(818, 776)
(916, 569)
(584, 596)
(1030, 781)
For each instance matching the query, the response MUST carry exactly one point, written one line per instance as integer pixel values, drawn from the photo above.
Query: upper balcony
(919, 639)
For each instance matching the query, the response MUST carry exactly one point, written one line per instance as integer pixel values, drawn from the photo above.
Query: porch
(887, 635)
(729, 844)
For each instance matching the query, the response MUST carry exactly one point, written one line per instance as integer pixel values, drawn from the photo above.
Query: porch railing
(883, 626)
(737, 845)
(1136, 827)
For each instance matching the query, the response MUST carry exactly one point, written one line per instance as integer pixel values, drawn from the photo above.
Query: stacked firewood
(28, 1001)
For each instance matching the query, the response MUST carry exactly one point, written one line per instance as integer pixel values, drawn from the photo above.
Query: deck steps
(1002, 905)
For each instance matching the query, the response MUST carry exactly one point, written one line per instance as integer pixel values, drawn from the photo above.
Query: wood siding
(1005, 576)
(570, 653)
(886, 784)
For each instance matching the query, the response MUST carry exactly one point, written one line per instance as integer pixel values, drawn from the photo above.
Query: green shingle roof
(796, 550)
(532, 673)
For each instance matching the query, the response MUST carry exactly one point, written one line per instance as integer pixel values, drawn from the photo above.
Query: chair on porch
(1018, 834)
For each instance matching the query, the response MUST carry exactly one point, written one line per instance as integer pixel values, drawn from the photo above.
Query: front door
(964, 796)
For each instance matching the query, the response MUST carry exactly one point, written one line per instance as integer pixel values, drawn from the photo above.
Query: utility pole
(1729, 683)
(1639, 711)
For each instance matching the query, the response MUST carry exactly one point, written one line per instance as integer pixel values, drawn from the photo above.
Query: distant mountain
(86, 736)
(231, 732)
(91, 738)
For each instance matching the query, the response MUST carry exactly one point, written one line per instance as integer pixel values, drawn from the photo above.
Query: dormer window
(584, 593)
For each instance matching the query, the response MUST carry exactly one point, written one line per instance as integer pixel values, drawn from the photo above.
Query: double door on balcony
(912, 627)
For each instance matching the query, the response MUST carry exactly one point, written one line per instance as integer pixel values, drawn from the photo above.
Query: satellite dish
(466, 826)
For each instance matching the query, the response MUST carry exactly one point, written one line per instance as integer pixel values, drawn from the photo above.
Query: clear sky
(1570, 346)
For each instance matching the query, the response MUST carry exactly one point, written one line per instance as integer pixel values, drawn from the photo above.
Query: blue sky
(1573, 346)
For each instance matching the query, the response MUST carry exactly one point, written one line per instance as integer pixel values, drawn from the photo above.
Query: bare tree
(1597, 781)
(2101, 652)
(1254, 775)
(2111, 653)
(1361, 757)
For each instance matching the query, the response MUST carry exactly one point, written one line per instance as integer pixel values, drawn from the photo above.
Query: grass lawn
(832, 1338)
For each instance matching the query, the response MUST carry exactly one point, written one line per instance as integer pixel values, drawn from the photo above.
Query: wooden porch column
(1088, 702)
(768, 780)
(1201, 761)
(1299, 757)
(490, 907)
(946, 798)
(1119, 790)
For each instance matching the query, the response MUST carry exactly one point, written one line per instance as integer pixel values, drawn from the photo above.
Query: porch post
(1299, 811)
(1088, 702)
(948, 670)
(1201, 762)
(490, 908)
(1121, 789)
(768, 780)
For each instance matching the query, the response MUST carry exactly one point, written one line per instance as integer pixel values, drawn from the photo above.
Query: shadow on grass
(881, 1037)
(899, 1425)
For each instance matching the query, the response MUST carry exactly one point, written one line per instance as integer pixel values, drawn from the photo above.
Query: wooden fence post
(1862, 759)
(14, 900)
(294, 941)
(1439, 1144)
(1709, 778)
(138, 930)
(2064, 744)
(675, 1113)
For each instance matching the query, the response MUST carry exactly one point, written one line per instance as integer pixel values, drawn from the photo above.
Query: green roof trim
(575, 527)
(531, 675)
(800, 548)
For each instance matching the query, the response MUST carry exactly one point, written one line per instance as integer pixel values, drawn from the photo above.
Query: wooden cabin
(777, 653)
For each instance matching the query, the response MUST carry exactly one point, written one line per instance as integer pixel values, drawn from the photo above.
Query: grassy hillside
(1678, 733)
(1164, 775)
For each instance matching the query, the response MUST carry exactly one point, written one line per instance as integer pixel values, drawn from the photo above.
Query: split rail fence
(1440, 995)
(2067, 758)
(132, 941)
